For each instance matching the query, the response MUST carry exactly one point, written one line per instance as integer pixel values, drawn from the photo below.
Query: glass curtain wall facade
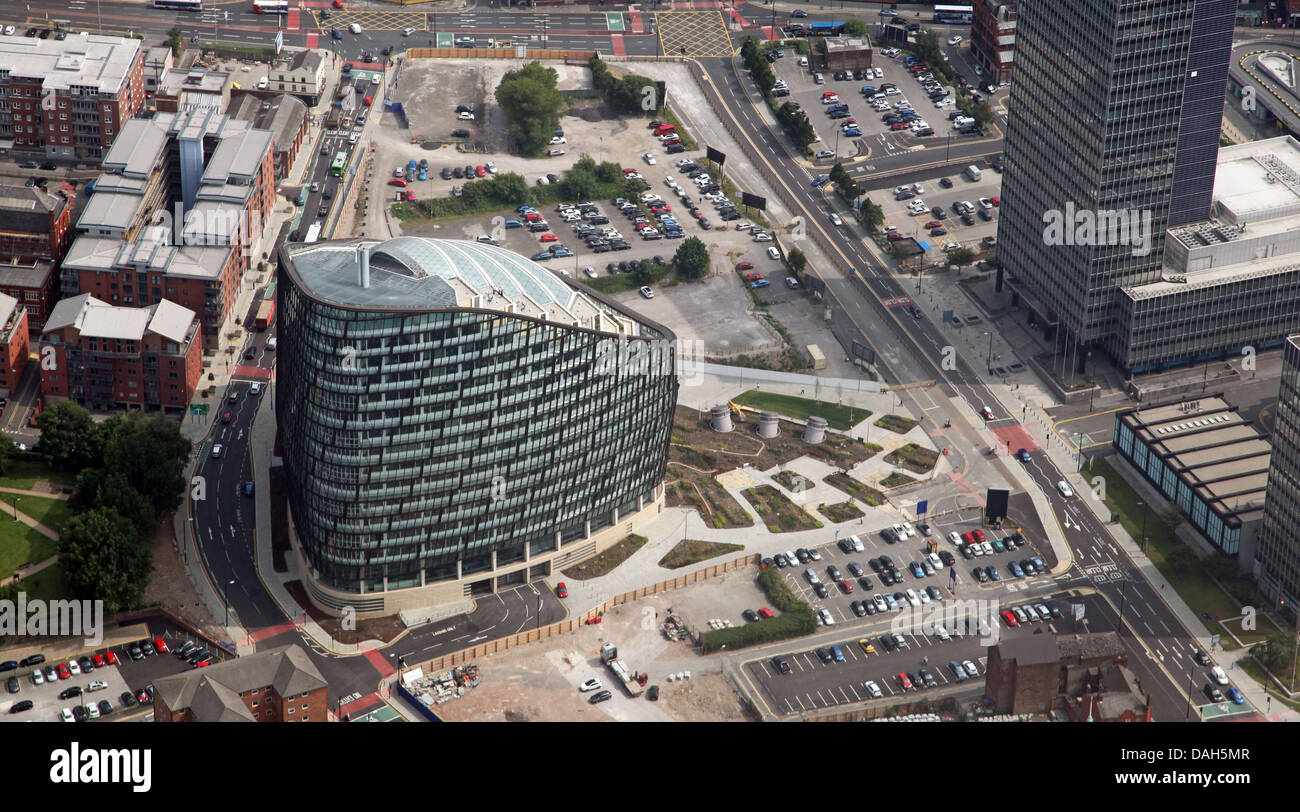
(1278, 554)
(424, 445)
(1111, 112)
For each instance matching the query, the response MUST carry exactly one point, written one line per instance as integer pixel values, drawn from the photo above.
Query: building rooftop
(1258, 180)
(212, 694)
(27, 208)
(99, 319)
(96, 61)
(282, 116)
(195, 80)
(26, 275)
(151, 250)
(421, 273)
(8, 307)
(1089, 646)
(1034, 649)
(306, 59)
(237, 157)
(138, 149)
(1219, 455)
(847, 44)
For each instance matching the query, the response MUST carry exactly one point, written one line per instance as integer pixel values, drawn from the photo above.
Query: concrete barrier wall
(570, 624)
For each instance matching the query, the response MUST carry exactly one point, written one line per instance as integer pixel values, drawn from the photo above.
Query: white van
(819, 79)
(354, 28)
(973, 172)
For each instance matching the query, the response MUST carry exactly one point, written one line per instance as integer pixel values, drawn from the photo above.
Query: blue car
(837, 654)
(540, 255)
(563, 252)
(821, 180)
(1235, 696)
(1037, 562)
(853, 132)
(759, 283)
(525, 209)
(868, 90)
(1015, 570)
(993, 573)
(916, 569)
(248, 488)
(513, 223)
(1022, 455)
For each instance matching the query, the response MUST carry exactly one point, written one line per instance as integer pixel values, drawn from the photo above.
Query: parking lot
(120, 673)
(934, 194)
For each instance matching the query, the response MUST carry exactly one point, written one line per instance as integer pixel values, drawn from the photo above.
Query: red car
(144, 695)
(968, 537)
(532, 217)
(764, 612)
(203, 664)
(370, 100)
(893, 236)
(744, 266)
(160, 645)
(338, 3)
(846, 587)
(996, 201)
(64, 673)
(396, 182)
(226, 417)
(934, 224)
(898, 125)
(978, 534)
(480, 172)
(549, 238)
(628, 172)
(561, 590)
(98, 660)
(753, 277)
(410, 196)
(1010, 618)
(110, 657)
(903, 681)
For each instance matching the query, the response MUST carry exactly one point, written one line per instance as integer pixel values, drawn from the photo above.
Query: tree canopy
(531, 105)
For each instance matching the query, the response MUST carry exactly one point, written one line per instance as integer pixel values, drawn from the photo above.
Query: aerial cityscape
(943, 366)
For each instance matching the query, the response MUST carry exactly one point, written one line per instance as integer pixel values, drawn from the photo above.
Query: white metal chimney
(363, 266)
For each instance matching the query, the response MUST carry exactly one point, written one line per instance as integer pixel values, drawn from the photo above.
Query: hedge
(796, 619)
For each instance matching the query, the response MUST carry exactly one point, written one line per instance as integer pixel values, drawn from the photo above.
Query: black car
(12, 686)
(105, 707)
(820, 589)
(968, 220)
(966, 552)
(19, 707)
(79, 713)
(446, 173)
(554, 178)
(996, 163)
(865, 582)
(1200, 657)
(1213, 693)
(927, 678)
(781, 666)
(887, 641)
(946, 558)
(35, 659)
(934, 593)
(980, 575)
(886, 562)
(825, 655)
(469, 171)
(388, 49)
(653, 693)
(128, 699)
(458, 172)
(876, 565)
(10, 665)
(68, 693)
(598, 697)
(31, 32)
(367, 56)
(750, 615)
(86, 665)
(460, 133)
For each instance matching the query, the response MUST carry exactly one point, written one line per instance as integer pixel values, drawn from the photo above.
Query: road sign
(1079, 610)
(922, 506)
(952, 574)
(279, 42)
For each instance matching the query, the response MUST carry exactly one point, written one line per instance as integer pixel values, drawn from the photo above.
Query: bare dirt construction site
(538, 682)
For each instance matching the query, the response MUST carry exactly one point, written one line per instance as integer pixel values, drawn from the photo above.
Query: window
(291, 710)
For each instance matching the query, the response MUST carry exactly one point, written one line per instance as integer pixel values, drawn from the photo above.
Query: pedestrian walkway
(42, 494)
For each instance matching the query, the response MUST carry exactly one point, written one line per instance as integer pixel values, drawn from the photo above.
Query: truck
(632, 681)
(265, 314)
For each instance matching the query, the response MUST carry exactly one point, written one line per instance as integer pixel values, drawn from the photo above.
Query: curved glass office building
(455, 418)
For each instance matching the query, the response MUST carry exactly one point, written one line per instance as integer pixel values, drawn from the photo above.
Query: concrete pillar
(586, 529)
(720, 418)
(494, 560)
(460, 572)
(769, 425)
(528, 550)
(815, 431)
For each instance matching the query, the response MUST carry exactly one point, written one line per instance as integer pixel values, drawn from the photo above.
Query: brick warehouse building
(278, 685)
(1029, 674)
(993, 37)
(33, 223)
(106, 356)
(14, 344)
(95, 81)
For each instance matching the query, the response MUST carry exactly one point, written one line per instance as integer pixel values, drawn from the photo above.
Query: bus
(179, 5)
(270, 6)
(826, 29)
(313, 233)
(340, 161)
(953, 15)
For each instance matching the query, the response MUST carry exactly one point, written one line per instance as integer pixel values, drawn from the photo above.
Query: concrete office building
(68, 98)
(1277, 560)
(993, 37)
(1115, 114)
(456, 419)
(1228, 282)
(1202, 456)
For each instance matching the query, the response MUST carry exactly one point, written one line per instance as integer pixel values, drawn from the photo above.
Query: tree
(175, 40)
(531, 104)
(1170, 516)
(7, 449)
(845, 185)
(69, 438)
(961, 257)
(643, 272)
(692, 259)
(581, 182)
(870, 215)
(631, 96)
(796, 260)
(98, 488)
(510, 187)
(104, 558)
(856, 28)
(150, 453)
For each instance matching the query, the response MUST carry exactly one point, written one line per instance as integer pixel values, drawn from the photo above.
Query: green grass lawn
(22, 474)
(50, 512)
(20, 544)
(841, 418)
(46, 585)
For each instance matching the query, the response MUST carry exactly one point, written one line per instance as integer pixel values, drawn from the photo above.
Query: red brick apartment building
(14, 344)
(278, 685)
(68, 98)
(35, 231)
(106, 356)
(993, 37)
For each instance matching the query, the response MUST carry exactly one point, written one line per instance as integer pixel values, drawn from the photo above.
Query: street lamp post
(16, 498)
(990, 358)
(1142, 542)
(226, 601)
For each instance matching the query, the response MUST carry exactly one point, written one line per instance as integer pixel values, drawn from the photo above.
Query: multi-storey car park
(456, 419)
